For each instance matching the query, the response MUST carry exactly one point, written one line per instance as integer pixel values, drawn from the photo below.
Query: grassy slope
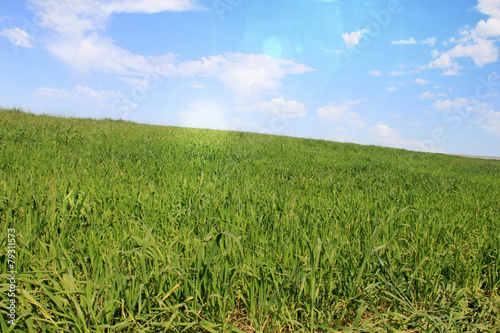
(123, 227)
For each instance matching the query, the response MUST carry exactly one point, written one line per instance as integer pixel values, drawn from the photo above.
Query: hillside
(122, 227)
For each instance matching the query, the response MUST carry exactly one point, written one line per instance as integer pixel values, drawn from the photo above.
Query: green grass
(123, 227)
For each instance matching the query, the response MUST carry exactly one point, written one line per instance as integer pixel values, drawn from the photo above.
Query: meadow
(123, 227)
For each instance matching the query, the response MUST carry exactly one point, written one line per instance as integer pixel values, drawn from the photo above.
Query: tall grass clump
(124, 227)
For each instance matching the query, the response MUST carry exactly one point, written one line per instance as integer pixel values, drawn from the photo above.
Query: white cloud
(434, 53)
(462, 103)
(249, 76)
(54, 93)
(149, 6)
(243, 125)
(430, 95)
(17, 37)
(277, 106)
(385, 135)
(491, 121)
(342, 113)
(481, 50)
(353, 38)
(380, 134)
(95, 53)
(73, 18)
(83, 45)
(451, 40)
(77, 92)
(336, 113)
(404, 42)
(400, 73)
(444, 61)
(489, 7)
(80, 41)
(413, 41)
(474, 42)
(429, 41)
(489, 28)
(324, 49)
(392, 89)
(421, 81)
(69, 18)
(375, 73)
(448, 105)
(382, 130)
(451, 71)
(427, 95)
(477, 112)
(397, 73)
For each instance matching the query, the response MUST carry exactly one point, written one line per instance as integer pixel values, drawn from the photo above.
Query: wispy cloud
(490, 121)
(431, 95)
(375, 73)
(83, 94)
(324, 49)
(86, 15)
(248, 76)
(17, 37)
(288, 109)
(462, 103)
(476, 112)
(398, 73)
(81, 41)
(342, 113)
(197, 85)
(385, 135)
(83, 44)
(149, 6)
(101, 54)
(392, 89)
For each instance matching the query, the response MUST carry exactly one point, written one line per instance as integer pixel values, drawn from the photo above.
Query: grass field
(122, 227)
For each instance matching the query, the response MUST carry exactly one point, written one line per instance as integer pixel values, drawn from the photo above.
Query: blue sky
(421, 75)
